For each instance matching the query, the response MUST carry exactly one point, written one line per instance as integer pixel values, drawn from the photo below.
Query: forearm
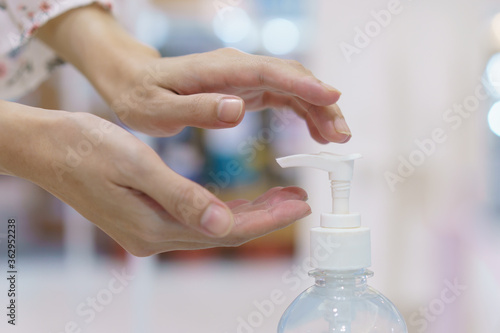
(91, 39)
(25, 150)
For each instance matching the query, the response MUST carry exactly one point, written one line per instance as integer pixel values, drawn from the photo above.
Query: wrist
(102, 51)
(25, 139)
(116, 71)
(114, 58)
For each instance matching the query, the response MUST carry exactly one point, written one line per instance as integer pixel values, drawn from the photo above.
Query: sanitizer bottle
(340, 300)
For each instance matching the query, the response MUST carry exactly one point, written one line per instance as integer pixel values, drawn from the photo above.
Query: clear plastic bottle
(341, 301)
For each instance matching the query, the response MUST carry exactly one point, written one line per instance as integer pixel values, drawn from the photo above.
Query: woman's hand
(121, 185)
(160, 96)
(207, 90)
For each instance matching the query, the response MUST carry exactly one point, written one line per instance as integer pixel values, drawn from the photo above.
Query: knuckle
(229, 51)
(261, 79)
(294, 63)
(266, 98)
(298, 65)
(265, 63)
(312, 109)
(196, 104)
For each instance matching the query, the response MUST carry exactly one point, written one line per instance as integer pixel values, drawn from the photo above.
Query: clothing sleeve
(25, 61)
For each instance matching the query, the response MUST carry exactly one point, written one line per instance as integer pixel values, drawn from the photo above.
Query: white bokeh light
(494, 118)
(280, 36)
(493, 72)
(152, 28)
(233, 26)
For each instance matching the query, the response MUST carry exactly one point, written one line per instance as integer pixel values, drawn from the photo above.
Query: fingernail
(229, 110)
(216, 220)
(341, 126)
(330, 88)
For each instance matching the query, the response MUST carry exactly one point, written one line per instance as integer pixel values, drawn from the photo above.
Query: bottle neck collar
(334, 278)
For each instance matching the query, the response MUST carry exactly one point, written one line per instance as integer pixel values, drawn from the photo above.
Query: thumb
(209, 111)
(188, 202)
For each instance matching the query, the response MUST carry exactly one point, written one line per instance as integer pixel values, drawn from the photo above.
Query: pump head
(340, 170)
(341, 235)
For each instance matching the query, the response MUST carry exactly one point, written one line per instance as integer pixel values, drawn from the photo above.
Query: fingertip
(319, 138)
(328, 123)
(347, 138)
(290, 193)
(337, 137)
(306, 213)
(332, 90)
(295, 193)
(340, 126)
(291, 211)
(329, 132)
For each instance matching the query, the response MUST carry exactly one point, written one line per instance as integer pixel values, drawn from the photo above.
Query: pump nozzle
(340, 170)
(340, 233)
(339, 167)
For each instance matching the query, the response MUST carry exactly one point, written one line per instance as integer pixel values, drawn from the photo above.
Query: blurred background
(421, 94)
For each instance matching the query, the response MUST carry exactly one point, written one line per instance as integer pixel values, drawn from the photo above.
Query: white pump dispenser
(340, 234)
(340, 300)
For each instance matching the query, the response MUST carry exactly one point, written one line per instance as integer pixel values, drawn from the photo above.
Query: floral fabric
(25, 61)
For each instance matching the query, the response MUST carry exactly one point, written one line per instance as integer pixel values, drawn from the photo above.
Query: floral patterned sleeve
(25, 61)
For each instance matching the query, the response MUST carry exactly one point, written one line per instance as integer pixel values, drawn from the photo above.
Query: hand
(121, 185)
(160, 96)
(206, 90)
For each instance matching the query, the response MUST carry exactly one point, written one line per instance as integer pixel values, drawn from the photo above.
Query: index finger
(283, 76)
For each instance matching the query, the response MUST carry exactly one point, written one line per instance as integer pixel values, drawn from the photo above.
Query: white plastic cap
(340, 243)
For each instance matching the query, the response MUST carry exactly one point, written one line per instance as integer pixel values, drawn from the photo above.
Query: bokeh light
(152, 28)
(494, 118)
(233, 26)
(280, 36)
(493, 73)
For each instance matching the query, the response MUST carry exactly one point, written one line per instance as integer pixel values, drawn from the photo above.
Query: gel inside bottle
(340, 300)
